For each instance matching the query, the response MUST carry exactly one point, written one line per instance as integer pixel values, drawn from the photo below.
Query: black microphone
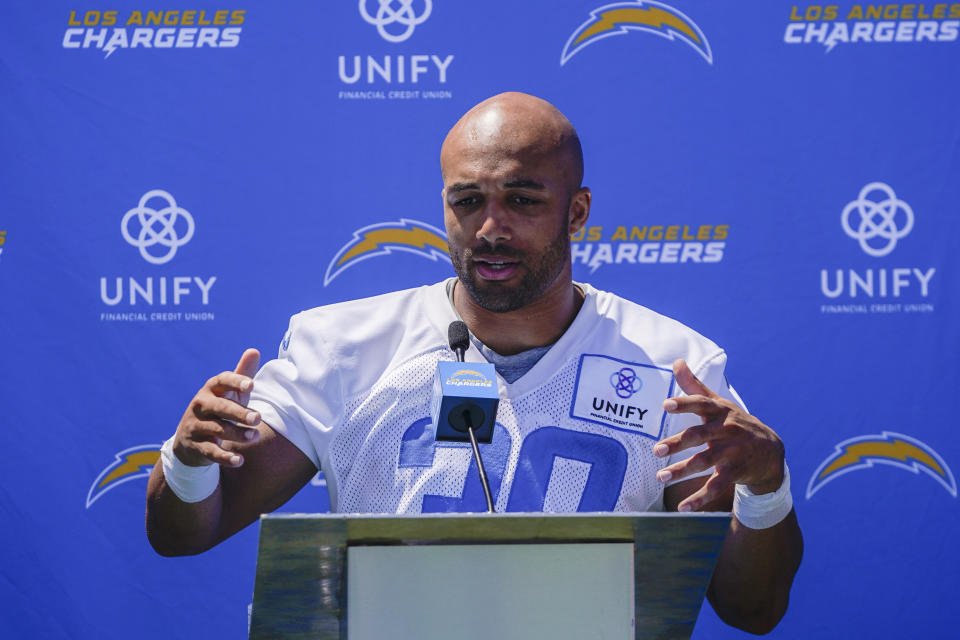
(465, 400)
(459, 338)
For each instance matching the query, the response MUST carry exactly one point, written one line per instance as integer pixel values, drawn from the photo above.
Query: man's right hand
(217, 428)
(215, 417)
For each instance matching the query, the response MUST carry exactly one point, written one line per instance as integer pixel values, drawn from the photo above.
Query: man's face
(507, 213)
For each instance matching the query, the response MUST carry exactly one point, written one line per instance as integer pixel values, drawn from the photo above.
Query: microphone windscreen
(458, 336)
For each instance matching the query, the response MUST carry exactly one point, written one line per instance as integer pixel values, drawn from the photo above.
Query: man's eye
(466, 202)
(523, 200)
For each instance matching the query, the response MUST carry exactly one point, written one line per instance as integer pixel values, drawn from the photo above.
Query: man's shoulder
(366, 336)
(372, 310)
(661, 338)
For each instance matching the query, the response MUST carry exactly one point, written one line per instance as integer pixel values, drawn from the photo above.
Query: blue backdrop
(178, 179)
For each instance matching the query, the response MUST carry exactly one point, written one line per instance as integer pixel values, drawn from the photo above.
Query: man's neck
(538, 324)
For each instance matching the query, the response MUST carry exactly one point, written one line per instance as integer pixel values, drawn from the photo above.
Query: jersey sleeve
(299, 393)
(711, 373)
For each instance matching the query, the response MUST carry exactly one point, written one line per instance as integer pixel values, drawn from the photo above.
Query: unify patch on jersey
(623, 395)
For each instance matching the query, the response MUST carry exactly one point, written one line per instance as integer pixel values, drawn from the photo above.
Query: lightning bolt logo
(642, 15)
(129, 464)
(468, 372)
(384, 238)
(894, 449)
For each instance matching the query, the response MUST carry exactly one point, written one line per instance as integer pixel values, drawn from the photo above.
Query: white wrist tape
(766, 510)
(190, 484)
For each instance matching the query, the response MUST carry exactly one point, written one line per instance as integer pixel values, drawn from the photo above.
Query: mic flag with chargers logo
(464, 395)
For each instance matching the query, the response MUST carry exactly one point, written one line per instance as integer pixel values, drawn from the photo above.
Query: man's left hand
(741, 449)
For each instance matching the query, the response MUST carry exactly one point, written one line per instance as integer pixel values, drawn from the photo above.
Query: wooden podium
(490, 576)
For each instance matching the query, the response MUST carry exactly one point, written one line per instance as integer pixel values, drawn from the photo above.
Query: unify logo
(877, 219)
(391, 12)
(868, 218)
(623, 395)
(625, 382)
(3, 240)
(389, 77)
(642, 15)
(157, 227)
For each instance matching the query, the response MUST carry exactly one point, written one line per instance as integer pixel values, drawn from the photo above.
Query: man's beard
(538, 276)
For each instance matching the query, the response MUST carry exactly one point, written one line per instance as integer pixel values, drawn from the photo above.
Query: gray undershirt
(510, 368)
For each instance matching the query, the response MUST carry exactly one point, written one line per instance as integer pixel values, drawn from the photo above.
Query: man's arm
(751, 583)
(259, 469)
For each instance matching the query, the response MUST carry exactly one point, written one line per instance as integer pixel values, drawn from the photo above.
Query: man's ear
(579, 210)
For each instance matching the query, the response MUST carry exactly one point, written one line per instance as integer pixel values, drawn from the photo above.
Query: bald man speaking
(604, 404)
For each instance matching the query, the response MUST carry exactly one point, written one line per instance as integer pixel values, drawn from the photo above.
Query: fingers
(229, 381)
(237, 384)
(247, 366)
(219, 430)
(694, 464)
(200, 442)
(232, 385)
(689, 437)
(211, 421)
(249, 363)
(218, 416)
(205, 441)
(700, 405)
(212, 451)
(690, 384)
(222, 430)
(212, 406)
(711, 490)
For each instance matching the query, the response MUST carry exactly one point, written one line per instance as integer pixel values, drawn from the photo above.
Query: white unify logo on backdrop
(868, 218)
(392, 77)
(387, 16)
(877, 219)
(158, 227)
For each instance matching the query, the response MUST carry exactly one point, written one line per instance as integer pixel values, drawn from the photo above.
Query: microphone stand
(476, 455)
(468, 421)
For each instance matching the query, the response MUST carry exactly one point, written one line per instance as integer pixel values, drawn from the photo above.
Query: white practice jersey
(352, 388)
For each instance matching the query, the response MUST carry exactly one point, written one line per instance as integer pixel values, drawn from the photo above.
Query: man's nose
(495, 226)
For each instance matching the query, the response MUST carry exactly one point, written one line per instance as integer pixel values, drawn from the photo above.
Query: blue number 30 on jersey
(557, 470)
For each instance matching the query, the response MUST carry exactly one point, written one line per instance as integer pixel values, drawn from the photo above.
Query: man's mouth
(495, 267)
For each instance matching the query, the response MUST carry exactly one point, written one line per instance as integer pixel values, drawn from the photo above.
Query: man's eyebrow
(462, 186)
(517, 183)
(524, 183)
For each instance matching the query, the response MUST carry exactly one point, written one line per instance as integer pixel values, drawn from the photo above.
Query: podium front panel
(306, 564)
(478, 592)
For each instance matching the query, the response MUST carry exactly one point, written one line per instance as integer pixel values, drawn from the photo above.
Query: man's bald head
(512, 169)
(516, 125)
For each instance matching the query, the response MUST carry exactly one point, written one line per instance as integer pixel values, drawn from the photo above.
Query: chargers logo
(129, 464)
(642, 15)
(894, 449)
(384, 238)
(469, 378)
